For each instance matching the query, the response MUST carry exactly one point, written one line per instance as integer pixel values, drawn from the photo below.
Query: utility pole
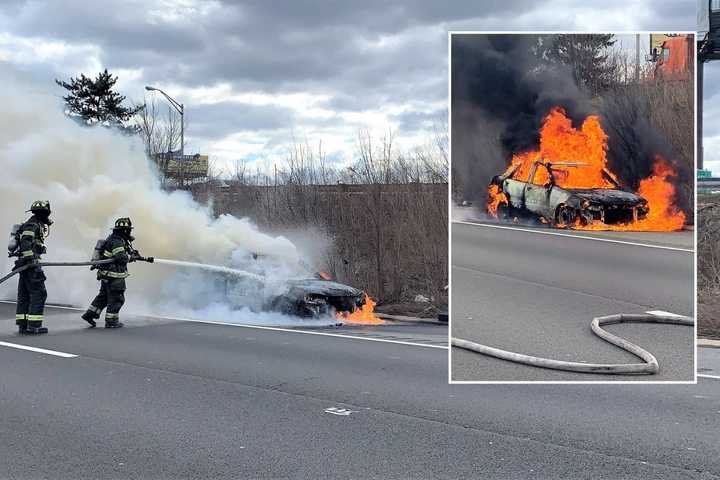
(699, 113)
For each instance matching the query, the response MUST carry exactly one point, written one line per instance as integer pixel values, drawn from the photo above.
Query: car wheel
(565, 216)
(505, 212)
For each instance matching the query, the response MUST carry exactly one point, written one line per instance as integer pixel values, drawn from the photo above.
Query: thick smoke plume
(501, 91)
(500, 94)
(93, 176)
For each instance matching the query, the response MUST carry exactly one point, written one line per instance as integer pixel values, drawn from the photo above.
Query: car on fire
(313, 297)
(317, 297)
(542, 197)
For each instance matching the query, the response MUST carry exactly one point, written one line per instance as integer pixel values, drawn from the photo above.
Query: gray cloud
(219, 120)
(363, 56)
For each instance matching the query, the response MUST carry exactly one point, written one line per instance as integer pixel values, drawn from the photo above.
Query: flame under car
(541, 197)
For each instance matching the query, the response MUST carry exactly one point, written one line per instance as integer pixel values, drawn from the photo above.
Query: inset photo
(572, 217)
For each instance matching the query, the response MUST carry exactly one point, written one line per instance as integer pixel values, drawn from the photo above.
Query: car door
(537, 190)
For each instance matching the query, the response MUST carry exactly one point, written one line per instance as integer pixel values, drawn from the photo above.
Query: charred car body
(307, 297)
(316, 297)
(540, 196)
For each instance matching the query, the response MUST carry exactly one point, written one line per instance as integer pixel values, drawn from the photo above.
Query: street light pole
(181, 110)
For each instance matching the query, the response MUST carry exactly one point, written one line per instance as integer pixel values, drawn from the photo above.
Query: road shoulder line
(37, 350)
(262, 327)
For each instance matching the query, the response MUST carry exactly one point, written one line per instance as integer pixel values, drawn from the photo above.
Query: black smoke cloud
(500, 93)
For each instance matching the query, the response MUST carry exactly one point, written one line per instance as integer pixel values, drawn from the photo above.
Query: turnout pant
(31, 298)
(112, 297)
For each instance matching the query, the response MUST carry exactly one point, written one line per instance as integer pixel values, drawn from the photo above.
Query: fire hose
(67, 264)
(649, 367)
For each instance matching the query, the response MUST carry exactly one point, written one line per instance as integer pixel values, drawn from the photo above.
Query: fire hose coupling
(649, 367)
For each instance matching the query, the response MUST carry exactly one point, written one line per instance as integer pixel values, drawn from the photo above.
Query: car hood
(323, 287)
(608, 196)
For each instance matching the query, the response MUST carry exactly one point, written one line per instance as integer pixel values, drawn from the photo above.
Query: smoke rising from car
(93, 176)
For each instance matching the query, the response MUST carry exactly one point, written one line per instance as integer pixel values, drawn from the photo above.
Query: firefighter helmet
(123, 223)
(40, 206)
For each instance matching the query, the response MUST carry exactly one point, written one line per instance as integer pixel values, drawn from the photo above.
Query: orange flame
(664, 216)
(364, 315)
(561, 142)
(586, 146)
(324, 275)
(495, 198)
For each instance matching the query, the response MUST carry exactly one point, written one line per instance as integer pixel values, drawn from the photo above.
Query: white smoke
(93, 176)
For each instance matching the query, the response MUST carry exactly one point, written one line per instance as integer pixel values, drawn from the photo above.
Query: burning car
(316, 297)
(541, 196)
(306, 297)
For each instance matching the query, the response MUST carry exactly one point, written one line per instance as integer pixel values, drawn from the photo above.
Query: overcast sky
(254, 75)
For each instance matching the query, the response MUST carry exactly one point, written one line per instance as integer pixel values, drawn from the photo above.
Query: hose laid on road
(650, 367)
(54, 264)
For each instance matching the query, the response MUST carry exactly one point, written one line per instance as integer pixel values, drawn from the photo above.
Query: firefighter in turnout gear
(31, 284)
(112, 276)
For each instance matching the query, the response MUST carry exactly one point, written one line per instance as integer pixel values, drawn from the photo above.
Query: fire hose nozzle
(149, 259)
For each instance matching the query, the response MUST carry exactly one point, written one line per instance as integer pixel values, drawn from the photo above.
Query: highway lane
(536, 293)
(684, 239)
(173, 399)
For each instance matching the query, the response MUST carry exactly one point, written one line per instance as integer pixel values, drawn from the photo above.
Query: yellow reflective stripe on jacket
(27, 233)
(27, 253)
(117, 250)
(20, 316)
(110, 274)
(35, 318)
(107, 254)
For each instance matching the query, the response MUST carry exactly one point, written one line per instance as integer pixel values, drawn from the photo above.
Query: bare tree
(161, 136)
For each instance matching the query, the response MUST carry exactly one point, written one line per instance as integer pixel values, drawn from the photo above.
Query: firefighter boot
(112, 320)
(34, 327)
(89, 317)
(21, 323)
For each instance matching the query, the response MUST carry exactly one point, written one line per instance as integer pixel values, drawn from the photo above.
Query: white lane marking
(38, 350)
(278, 329)
(663, 313)
(703, 375)
(306, 332)
(339, 411)
(582, 237)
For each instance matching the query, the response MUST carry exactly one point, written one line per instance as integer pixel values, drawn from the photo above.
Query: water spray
(211, 268)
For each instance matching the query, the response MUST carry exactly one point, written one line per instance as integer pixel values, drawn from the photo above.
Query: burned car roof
(323, 287)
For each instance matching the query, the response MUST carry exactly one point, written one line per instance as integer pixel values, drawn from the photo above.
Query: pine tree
(587, 55)
(95, 101)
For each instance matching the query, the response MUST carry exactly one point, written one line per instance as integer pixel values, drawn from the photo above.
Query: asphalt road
(171, 399)
(535, 291)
